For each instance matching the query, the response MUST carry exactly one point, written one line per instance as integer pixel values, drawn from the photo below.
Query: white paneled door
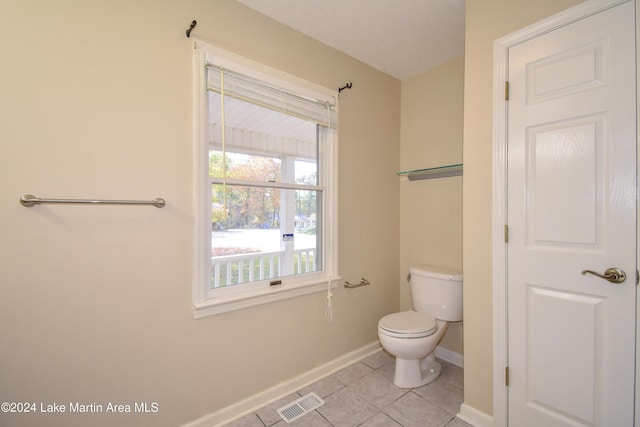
(571, 209)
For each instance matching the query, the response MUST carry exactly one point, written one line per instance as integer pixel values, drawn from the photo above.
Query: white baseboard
(472, 416)
(449, 356)
(257, 401)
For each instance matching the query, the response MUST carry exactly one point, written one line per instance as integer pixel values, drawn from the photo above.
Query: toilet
(412, 336)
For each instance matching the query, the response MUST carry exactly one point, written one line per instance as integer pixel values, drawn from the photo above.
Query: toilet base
(416, 372)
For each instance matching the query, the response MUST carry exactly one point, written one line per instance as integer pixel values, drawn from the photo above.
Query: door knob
(614, 274)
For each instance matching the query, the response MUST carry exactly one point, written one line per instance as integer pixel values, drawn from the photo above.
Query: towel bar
(30, 200)
(363, 282)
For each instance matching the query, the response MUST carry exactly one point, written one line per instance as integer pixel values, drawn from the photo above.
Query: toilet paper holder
(363, 282)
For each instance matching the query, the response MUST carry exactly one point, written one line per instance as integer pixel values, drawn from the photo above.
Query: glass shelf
(431, 173)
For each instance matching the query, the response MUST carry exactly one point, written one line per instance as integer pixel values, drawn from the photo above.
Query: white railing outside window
(236, 269)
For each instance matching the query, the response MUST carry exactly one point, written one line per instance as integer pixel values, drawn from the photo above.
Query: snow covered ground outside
(261, 240)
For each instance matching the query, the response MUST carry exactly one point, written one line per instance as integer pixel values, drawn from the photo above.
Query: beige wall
(431, 210)
(95, 301)
(486, 21)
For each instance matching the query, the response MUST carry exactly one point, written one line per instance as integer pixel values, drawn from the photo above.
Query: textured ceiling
(399, 37)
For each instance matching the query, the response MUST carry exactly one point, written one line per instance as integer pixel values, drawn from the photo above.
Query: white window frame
(292, 286)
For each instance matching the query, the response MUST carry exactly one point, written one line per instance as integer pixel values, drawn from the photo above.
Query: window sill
(227, 303)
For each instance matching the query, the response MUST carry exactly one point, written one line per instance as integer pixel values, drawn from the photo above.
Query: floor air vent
(300, 407)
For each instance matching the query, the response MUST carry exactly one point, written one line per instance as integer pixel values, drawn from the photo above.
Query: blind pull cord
(328, 313)
(224, 146)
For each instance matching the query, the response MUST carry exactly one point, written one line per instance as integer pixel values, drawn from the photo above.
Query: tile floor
(363, 394)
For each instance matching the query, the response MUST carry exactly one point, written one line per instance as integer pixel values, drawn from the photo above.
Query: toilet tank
(437, 291)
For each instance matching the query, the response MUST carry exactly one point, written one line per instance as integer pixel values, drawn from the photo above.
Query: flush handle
(614, 274)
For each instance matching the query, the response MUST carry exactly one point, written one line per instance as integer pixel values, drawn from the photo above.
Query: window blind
(251, 90)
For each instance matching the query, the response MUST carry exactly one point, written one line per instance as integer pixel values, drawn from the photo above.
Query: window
(265, 184)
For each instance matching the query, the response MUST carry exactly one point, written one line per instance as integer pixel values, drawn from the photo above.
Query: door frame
(500, 61)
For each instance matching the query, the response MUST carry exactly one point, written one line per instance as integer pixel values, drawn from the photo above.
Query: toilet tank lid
(436, 272)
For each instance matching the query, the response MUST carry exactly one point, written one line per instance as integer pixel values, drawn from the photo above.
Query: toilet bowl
(412, 336)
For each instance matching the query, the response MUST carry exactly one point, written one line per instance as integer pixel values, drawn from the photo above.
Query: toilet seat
(408, 324)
